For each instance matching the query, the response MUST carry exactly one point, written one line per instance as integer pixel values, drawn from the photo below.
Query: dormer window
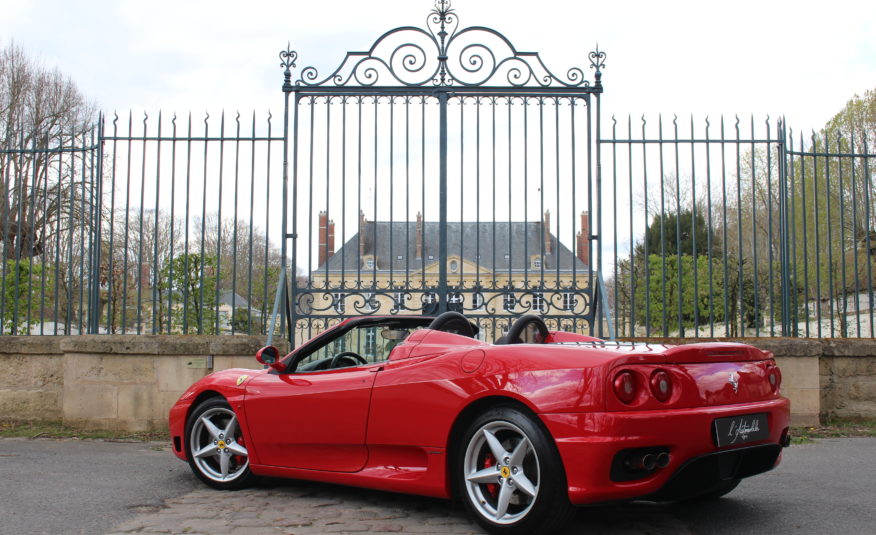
(338, 302)
(569, 301)
(536, 262)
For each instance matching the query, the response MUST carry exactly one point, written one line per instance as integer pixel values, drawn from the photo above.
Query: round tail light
(625, 386)
(661, 385)
(775, 378)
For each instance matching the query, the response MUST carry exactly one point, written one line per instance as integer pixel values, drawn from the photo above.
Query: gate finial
(287, 61)
(443, 12)
(597, 61)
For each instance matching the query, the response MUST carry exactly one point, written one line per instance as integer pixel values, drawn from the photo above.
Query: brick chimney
(362, 222)
(547, 231)
(331, 239)
(583, 239)
(326, 238)
(419, 235)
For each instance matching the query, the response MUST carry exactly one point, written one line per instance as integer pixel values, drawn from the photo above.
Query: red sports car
(520, 430)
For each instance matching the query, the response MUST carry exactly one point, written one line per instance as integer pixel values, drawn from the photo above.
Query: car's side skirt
(410, 470)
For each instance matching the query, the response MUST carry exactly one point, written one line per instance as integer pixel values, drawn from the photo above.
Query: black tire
(207, 442)
(717, 492)
(537, 467)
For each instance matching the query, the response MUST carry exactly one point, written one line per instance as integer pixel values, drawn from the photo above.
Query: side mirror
(269, 356)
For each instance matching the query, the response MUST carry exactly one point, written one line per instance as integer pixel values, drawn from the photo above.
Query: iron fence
(833, 235)
(732, 231)
(45, 197)
(142, 225)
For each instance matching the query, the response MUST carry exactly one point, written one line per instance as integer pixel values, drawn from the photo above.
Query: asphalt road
(84, 486)
(98, 487)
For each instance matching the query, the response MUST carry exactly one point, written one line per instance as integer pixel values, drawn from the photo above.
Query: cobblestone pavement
(304, 508)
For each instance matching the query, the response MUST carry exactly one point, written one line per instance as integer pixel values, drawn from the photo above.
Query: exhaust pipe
(663, 460)
(646, 462)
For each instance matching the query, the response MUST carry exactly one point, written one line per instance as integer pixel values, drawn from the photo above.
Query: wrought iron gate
(441, 169)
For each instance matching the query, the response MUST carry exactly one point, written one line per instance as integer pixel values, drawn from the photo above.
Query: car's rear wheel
(216, 447)
(510, 476)
(721, 490)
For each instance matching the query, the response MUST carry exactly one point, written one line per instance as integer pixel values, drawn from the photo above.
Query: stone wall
(848, 379)
(126, 382)
(130, 382)
(31, 377)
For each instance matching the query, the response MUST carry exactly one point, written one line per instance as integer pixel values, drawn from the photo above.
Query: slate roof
(467, 240)
(227, 297)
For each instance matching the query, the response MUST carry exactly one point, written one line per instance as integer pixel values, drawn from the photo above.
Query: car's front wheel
(216, 448)
(510, 476)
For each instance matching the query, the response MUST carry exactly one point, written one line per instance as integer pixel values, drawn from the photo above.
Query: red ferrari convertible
(520, 430)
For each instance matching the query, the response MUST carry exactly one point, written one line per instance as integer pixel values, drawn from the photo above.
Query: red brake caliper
(237, 458)
(492, 488)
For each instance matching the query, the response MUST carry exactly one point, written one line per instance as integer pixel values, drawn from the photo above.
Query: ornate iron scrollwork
(443, 55)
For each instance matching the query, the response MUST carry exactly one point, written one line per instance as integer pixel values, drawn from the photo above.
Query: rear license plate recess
(741, 429)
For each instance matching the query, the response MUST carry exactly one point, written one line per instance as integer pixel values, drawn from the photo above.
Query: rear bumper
(710, 471)
(589, 442)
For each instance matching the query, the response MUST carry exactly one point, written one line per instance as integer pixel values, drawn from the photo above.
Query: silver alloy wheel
(501, 472)
(216, 447)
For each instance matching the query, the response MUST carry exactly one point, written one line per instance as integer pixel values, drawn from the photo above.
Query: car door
(314, 420)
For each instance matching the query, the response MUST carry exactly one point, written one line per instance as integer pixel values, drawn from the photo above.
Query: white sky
(801, 59)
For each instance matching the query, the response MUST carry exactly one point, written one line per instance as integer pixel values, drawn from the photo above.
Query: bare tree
(131, 269)
(42, 116)
(248, 264)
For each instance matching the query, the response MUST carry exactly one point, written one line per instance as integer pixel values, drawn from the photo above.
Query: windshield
(373, 343)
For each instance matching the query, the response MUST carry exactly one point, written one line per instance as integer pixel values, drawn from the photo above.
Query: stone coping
(163, 344)
(133, 344)
(31, 345)
(785, 347)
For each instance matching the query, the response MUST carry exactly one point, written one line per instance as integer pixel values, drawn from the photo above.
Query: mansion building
(495, 270)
